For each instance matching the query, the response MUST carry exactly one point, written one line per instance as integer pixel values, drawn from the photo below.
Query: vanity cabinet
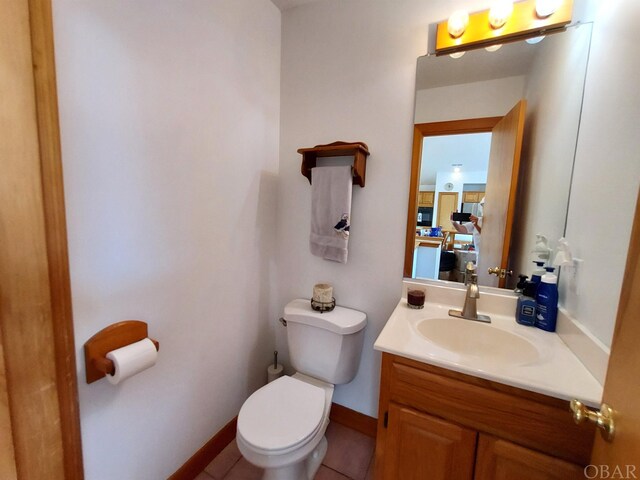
(501, 460)
(435, 423)
(422, 446)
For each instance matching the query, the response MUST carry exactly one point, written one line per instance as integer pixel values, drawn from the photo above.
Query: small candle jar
(323, 293)
(415, 298)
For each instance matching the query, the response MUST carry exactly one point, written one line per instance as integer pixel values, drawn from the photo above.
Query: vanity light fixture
(493, 48)
(506, 21)
(456, 54)
(500, 13)
(544, 8)
(457, 23)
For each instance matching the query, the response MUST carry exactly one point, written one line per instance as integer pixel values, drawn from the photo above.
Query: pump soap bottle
(547, 303)
(526, 311)
(536, 276)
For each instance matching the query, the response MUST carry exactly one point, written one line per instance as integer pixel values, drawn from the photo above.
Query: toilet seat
(281, 416)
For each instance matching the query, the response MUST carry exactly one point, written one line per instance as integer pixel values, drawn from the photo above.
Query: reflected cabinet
(435, 424)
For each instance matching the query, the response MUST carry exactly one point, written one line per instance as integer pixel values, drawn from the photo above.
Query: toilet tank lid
(340, 320)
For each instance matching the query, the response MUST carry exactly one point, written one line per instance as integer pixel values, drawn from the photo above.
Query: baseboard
(352, 419)
(203, 457)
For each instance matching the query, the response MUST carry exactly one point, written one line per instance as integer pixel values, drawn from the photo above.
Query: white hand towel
(330, 212)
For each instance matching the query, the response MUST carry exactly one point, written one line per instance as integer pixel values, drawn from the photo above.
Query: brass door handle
(603, 418)
(500, 272)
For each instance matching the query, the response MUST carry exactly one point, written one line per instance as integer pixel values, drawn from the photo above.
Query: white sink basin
(474, 339)
(502, 351)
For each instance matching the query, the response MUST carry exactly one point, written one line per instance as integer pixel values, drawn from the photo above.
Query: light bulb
(457, 23)
(500, 13)
(544, 8)
(456, 169)
(534, 40)
(493, 48)
(456, 54)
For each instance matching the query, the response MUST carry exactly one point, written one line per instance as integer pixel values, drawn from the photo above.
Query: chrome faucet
(470, 308)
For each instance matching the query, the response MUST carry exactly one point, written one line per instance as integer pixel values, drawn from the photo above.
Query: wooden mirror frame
(420, 131)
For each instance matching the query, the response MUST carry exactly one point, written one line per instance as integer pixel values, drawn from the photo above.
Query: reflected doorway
(492, 232)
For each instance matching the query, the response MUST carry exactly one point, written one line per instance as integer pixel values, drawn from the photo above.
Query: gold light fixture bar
(523, 23)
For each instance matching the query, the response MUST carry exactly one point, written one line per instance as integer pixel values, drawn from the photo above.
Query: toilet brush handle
(275, 359)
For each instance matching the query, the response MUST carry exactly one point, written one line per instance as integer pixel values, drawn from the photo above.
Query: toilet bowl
(281, 426)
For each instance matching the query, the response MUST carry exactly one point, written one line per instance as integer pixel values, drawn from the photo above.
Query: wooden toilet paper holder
(115, 336)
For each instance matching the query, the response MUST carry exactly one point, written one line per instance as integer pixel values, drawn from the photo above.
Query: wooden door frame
(621, 377)
(36, 323)
(420, 131)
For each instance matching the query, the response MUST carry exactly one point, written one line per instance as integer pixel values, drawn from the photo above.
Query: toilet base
(304, 470)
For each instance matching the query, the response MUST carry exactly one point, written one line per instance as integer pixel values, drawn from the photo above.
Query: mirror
(461, 104)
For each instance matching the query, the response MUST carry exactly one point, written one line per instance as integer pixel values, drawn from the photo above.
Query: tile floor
(349, 456)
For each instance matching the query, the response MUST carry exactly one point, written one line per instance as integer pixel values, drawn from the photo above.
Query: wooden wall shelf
(358, 150)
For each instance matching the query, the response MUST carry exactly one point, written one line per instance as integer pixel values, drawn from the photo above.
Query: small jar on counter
(415, 298)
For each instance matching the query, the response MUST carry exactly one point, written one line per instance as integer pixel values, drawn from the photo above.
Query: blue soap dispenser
(547, 303)
(521, 284)
(526, 311)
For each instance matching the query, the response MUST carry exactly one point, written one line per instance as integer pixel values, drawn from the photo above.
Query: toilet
(281, 426)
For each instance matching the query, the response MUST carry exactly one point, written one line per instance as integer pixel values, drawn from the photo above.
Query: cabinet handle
(603, 418)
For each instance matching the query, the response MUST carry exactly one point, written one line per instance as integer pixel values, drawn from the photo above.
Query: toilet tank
(326, 346)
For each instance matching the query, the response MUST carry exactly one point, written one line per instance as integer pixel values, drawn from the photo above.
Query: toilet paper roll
(274, 372)
(132, 359)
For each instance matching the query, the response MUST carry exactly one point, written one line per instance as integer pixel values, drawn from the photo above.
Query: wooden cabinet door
(470, 197)
(501, 460)
(425, 199)
(422, 447)
(428, 198)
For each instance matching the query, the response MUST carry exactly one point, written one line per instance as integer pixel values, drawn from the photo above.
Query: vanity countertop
(549, 368)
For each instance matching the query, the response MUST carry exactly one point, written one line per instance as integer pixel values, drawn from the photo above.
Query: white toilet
(281, 426)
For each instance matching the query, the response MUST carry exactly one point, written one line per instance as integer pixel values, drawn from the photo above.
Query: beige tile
(243, 470)
(371, 469)
(349, 451)
(225, 460)
(325, 473)
(203, 476)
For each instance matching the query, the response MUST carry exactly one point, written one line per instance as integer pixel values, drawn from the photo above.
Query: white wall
(348, 73)
(170, 128)
(553, 91)
(458, 180)
(489, 98)
(607, 171)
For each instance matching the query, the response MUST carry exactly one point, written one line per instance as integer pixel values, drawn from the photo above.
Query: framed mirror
(494, 144)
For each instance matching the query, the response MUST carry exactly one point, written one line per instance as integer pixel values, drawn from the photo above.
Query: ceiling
(286, 4)
(439, 152)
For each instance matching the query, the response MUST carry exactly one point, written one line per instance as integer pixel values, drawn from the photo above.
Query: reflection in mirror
(482, 87)
(453, 178)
